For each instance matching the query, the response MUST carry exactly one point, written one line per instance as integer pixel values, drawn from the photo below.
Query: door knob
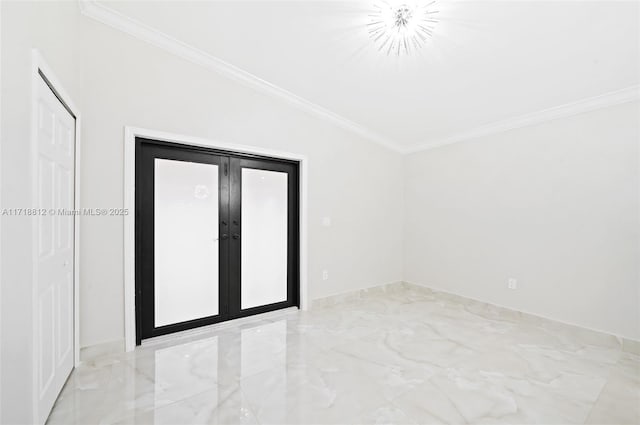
(236, 236)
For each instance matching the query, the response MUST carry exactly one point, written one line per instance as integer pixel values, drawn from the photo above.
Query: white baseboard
(627, 344)
(90, 353)
(631, 346)
(350, 296)
(93, 352)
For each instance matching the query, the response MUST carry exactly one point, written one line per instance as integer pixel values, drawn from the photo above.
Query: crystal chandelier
(401, 28)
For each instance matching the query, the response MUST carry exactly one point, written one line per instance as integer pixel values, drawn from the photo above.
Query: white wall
(51, 28)
(129, 82)
(554, 205)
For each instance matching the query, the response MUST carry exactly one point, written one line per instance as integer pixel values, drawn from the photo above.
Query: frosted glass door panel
(186, 241)
(264, 237)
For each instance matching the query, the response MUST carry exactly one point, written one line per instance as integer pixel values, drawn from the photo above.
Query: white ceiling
(489, 61)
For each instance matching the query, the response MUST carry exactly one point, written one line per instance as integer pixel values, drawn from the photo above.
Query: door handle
(236, 236)
(225, 236)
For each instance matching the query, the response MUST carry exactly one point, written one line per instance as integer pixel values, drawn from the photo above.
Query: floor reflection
(403, 356)
(213, 368)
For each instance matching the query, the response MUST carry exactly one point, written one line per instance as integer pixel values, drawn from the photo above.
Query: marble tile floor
(402, 356)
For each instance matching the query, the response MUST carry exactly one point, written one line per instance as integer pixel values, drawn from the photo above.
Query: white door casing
(54, 291)
(130, 135)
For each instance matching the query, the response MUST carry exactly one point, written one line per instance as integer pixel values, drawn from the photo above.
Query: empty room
(320, 212)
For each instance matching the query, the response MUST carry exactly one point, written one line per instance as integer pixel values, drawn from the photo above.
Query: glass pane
(264, 237)
(186, 241)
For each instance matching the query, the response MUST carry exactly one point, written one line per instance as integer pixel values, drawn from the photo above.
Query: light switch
(326, 221)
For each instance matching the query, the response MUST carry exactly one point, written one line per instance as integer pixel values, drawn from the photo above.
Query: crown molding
(613, 98)
(135, 28)
(144, 32)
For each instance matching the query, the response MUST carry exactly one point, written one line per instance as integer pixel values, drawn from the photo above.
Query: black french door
(217, 236)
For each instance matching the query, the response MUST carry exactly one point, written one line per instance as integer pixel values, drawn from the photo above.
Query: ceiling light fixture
(400, 28)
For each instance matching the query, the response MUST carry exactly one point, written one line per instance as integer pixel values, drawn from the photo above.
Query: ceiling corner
(108, 16)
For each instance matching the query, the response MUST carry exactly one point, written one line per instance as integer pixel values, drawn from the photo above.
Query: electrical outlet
(325, 275)
(512, 283)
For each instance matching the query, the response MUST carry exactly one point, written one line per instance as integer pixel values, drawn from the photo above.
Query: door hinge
(226, 169)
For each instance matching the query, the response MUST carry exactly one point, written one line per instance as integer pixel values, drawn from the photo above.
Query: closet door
(264, 231)
(183, 250)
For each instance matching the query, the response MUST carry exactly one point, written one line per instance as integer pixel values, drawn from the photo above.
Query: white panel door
(55, 247)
